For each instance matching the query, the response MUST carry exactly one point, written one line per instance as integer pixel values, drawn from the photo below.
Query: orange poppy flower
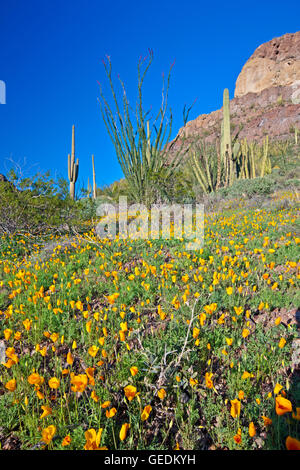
(282, 405)
(292, 444)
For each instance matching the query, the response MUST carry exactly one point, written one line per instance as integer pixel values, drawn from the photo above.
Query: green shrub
(249, 187)
(35, 204)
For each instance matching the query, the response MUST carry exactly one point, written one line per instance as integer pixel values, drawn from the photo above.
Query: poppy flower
(27, 324)
(282, 405)
(297, 415)
(130, 392)
(90, 373)
(133, 370)
(252, 430)
(281, 343)
(161, 393)
(93, 439)
(123, 432)
(35, 379)
(7, 334)
(48, 434)
(146, 412)
(46, 411)
(238, 436)
(208, 381)
(292, 444)
(70, 358)
(235, 408)
(111, 413)
(66, 441)
(79, 382)
(277, 388)
(93, 351)
(246, 375)
(54, 383)
(11, 385)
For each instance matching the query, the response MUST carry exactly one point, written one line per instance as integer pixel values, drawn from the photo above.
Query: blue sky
(51, 55)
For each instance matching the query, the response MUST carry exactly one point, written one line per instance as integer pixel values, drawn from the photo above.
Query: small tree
(142, 152)
(36, 205)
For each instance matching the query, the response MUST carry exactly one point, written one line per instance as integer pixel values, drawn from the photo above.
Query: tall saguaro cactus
(226, 138)
(72, 166)
(265, 156)
(226, 150)
(94, 178)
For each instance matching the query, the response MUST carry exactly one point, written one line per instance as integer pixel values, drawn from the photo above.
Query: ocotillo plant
(206, 166)
(142, 152)
(73, 167)
(94, 178)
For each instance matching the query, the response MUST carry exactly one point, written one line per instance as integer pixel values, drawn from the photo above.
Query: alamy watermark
(161, 221)
(2, 92)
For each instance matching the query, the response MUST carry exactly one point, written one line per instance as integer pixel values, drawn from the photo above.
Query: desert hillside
(266, 98)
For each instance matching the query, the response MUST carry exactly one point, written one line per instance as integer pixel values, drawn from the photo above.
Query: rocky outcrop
(263, 105)
(2, 177)
(275, 63)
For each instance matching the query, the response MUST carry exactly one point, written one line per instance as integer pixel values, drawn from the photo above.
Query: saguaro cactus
(226, 146)
(72, 166)
(265, 155)
(94, 178)
(89, 188)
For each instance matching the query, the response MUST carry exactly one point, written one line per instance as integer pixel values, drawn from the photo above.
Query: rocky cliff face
(267, 96)
(275, 63)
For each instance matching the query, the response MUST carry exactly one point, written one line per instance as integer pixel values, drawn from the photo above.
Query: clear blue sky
(51, 59)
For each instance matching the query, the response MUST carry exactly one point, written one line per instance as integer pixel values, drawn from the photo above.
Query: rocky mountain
(266, 99)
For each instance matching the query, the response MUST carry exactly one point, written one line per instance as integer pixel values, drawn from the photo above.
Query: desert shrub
(87, 208)
(36, 204)
(249, 187)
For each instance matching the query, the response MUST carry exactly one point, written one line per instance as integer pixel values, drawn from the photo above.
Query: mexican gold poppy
(130, 392)
(93, 439)
(48, 434)
(208, 381)
(46, 411)
(11, 385)
(277, 388)
(133, 370)
(66, 441)
(54, 383)
(123, 432)
(146, 412)
(35, 379)
(111, 413)
(297, 414)
(292, 444)
(282, 405)
(281, 343)
(235, 408)
(238, 436)
(93, 351)
(252, 430)
(79, 382)
(245, 333)
(70, 358)
(161, 393)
